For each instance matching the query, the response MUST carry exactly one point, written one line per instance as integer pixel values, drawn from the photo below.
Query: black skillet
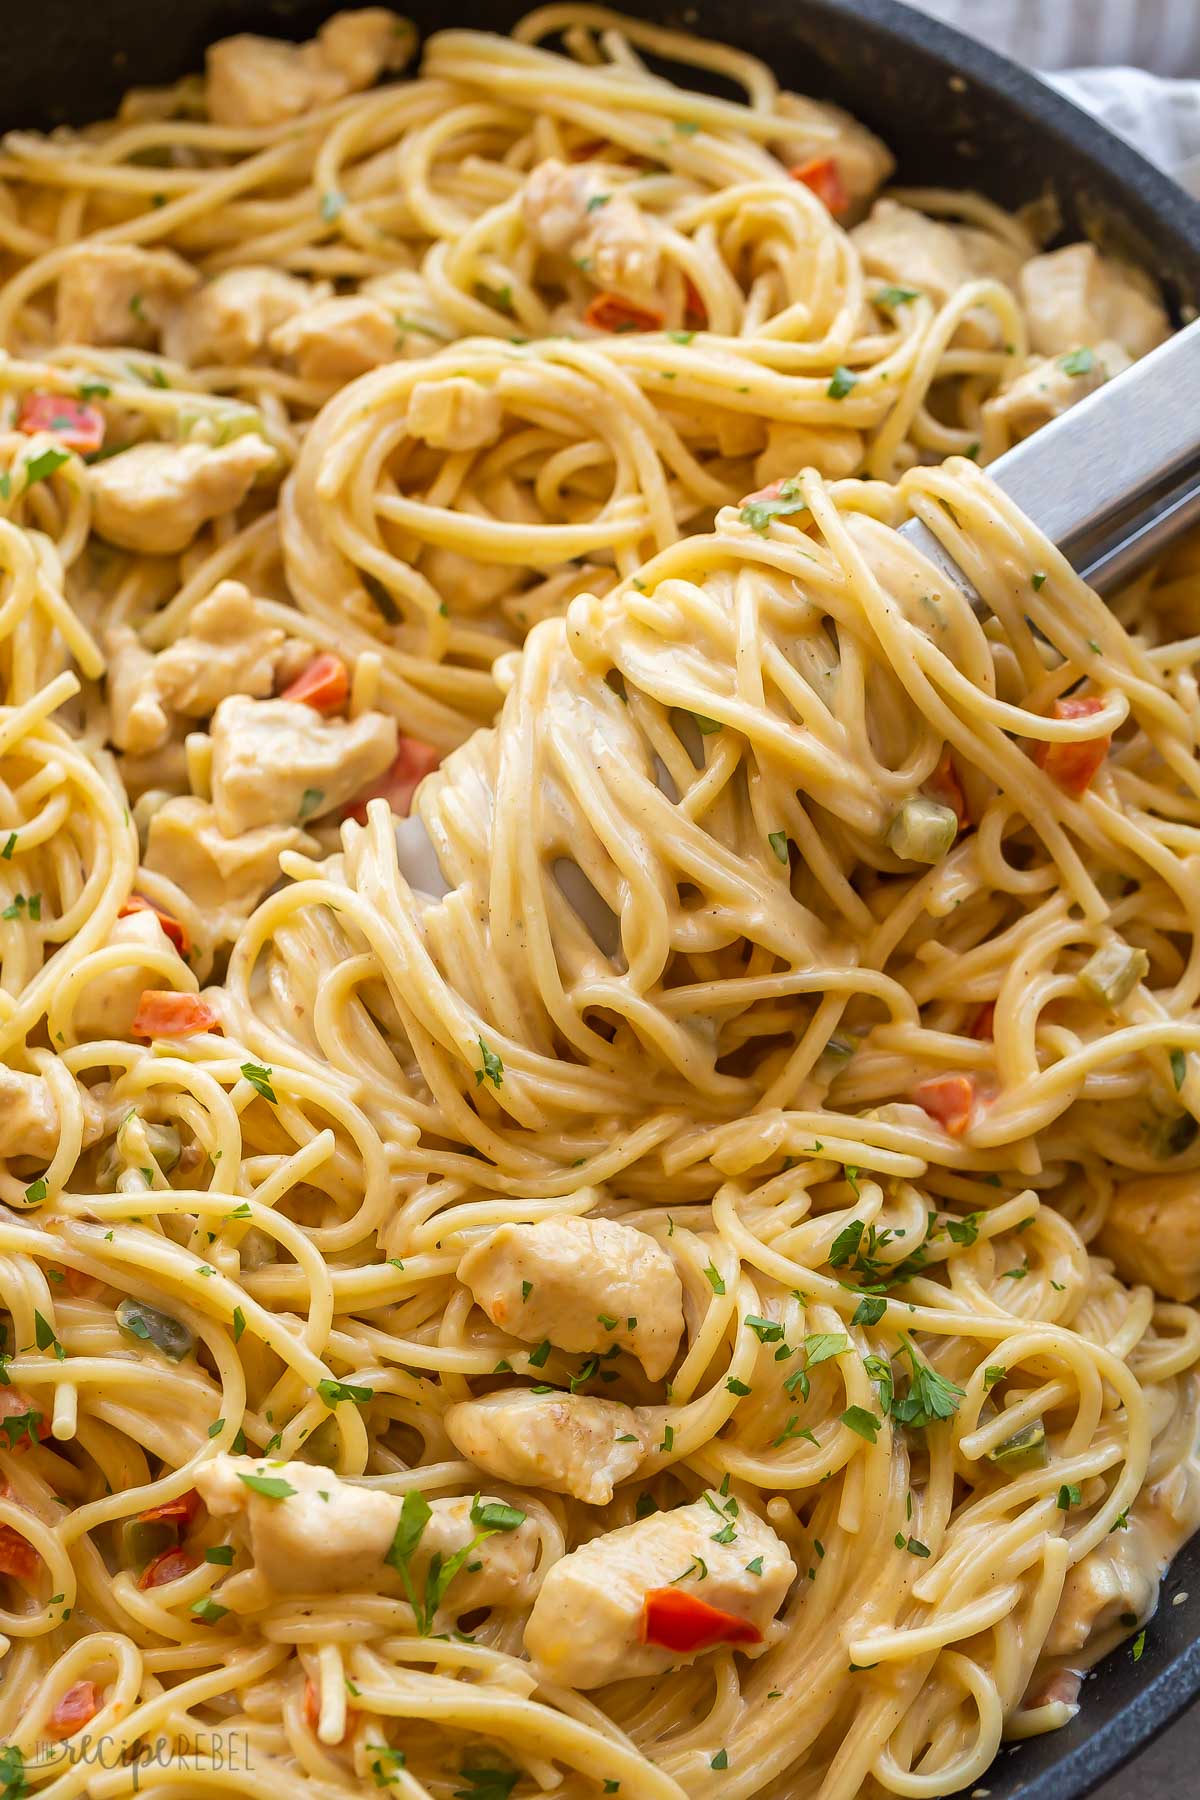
(956, 115)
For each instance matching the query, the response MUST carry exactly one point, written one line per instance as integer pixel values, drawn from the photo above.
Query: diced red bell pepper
(612, 312)
(950, 1099)
(76, 425)
(414, 760)
(1073, 765)
(18, 1557)
(772, 491)
(177, 933)
(168, 1565)
(822, 175)
(78, 1705)
(162, 1013)
(324, 684)
(943, 785)
(183, 1510)
(678, 1621)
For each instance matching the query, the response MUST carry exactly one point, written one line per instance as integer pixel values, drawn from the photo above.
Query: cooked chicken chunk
(1076, 296)
(1119, 1578)
(588, 1622)
(226, 877)
(565, 1443)
(863, 162)
(454, 414)
(257, 81)
(505, 1561)
(105, 1005)
(331, 1535)
(834, 450)
(585, 1284)
(228, 648)
(279, 762)
(229, 319)
(138, 722)
(335, 340)
(118, 294)
(155, 497)
(1152, 1233)
(1051, 385)
(29, 1117)
(900, 245)
(304, 1543)
(572, 211)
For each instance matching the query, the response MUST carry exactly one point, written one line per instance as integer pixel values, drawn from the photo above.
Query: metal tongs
(1114, 481)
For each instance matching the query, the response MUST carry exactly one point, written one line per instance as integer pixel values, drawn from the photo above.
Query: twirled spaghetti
(667, 1271)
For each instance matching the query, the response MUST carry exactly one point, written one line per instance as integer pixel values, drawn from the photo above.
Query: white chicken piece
(279, 762)
(902, 246)
(362, 44)
(1152, 1233)
(230, 318)
(863, 161)
(565, 1443)
(105, 1005)
(335, 340)
(330, 1535)
(138, 722)
(228, 648)
(454, 414)
(256, 81)
(585, 1284)
(505, 1561)
(989, 257)
(155, 497)
(1075, 296)
(29, 1117)
(835, 450)
(1051, 385)
(326, 1536)
(118, 294)
(587, 1624)
(226, 877)
(572, 211)
(1116, 1581)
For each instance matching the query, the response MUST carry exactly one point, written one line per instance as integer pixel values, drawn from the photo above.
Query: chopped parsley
(259, 1078)
(843, 381)
(1069, 1495)
(779, 843)
(493, 1068)
(38, 467)
(271, 1487)
(334, 1392)
(891, 297)
(759, 513)
(865, 1423)
(715, 1281)
(1078, 362)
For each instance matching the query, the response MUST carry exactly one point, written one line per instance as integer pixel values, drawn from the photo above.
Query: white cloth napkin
(1134, 63)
